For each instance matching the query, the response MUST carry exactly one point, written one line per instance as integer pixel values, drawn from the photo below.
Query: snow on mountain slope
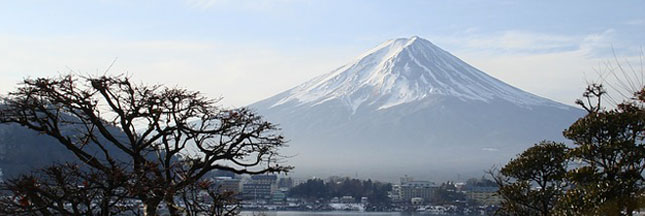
(406, 107)
(401, 71)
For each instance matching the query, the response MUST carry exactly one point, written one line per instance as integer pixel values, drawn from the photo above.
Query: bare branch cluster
(167, 139)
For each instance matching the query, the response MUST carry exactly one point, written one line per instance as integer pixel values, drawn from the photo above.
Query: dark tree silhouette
(171, 137)
(606, 174)
(317, 189)
(66, 189)
(610, 147)
(532, 183)
(204, 198)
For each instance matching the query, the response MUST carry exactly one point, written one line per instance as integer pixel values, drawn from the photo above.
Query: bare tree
(170, 137)
(205, 198)
(66, 189)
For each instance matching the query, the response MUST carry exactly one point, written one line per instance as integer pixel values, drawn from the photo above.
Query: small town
(274, 193)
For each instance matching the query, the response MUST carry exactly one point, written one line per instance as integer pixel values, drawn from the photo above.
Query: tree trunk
(629, 208)
(105, 203)
(172, 207)
(150, 208)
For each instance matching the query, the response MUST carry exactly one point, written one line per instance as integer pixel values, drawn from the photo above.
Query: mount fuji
(409, 107)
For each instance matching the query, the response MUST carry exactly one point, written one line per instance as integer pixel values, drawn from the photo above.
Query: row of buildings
(258, 188)
(269, 189)
(416, 192)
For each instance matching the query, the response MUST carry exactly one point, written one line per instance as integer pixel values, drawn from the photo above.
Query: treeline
(315, 189)
(481, 182)
(448, 193)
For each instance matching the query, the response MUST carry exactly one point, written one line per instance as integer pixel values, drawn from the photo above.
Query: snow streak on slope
(407, 106)
(404, 70)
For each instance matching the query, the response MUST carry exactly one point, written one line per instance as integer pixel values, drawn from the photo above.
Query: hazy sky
(248, 50)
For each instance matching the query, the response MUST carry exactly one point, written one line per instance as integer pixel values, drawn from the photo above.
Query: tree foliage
(480, 182)
(447, 193)
(314, 189)
(532, 183)
(605, 176)
(611, 152)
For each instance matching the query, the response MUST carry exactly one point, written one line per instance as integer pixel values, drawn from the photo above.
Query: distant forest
(314, 189)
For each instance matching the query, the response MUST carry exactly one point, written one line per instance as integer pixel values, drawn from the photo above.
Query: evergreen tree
(532, 183)
(609, 145)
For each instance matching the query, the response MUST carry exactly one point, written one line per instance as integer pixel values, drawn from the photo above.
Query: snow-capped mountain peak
(407, 106)
(404, 70)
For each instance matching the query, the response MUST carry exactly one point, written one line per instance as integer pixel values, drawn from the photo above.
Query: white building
(409, 189)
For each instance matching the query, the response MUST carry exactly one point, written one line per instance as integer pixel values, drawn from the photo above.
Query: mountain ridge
(393, 74)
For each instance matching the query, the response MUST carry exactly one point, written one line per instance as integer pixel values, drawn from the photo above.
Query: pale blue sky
(216, 46)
